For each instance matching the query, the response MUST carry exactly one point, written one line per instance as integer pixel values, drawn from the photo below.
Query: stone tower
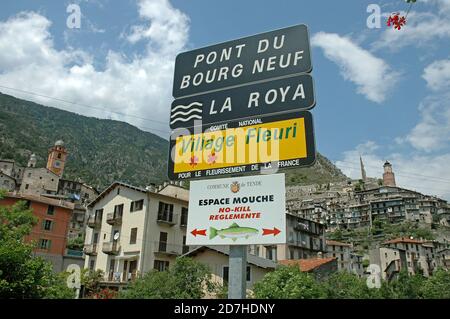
(388, 175)
(363, 170)
(32, 161)
(57, 156)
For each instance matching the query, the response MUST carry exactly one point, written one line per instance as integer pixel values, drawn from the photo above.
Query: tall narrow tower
(363, 171)
(57, 156)
(32, 161)
(388, 175)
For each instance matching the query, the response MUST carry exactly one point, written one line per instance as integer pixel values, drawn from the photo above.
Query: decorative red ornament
(194, 161)
(396, 20)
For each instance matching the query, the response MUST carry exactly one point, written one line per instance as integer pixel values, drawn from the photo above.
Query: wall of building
(7, 167)
(58, 232)
(106, 231)
(146, 249)
(38, 181)
(175, 232)
(7, 183)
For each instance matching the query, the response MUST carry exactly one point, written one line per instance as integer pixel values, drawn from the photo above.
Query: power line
(428, 187)
(84, 105)
(402, 173)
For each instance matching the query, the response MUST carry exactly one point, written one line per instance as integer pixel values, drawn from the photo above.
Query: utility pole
(237, 272)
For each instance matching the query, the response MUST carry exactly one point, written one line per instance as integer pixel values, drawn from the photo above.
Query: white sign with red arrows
(237, 211)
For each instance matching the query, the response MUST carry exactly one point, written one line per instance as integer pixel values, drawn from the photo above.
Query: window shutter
(43, 224)
(52, 223)
(49, 244)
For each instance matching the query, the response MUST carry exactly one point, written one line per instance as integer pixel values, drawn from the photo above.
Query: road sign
(260, 57)
(237, 211)
(278, 96)
(259, 144)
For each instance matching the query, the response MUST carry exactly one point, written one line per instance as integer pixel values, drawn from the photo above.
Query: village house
(132, 230)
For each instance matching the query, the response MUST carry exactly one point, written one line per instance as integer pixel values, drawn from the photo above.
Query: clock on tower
(57, 156)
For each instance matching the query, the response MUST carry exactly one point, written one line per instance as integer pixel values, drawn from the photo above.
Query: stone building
(388, 175)
(413, 255)
(304, 239)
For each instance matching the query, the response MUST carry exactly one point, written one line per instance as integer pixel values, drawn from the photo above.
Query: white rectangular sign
(237, 211)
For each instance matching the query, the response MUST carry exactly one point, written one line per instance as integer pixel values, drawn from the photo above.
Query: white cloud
(137, 85)
(373, 77)
(426, 174)
(437, 75)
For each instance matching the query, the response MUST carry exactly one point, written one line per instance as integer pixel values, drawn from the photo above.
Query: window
(161, 265)
(96, 238)
(47, 224)
(92, 264)
(137, 205)
(118, 191)
(29, 174)
(184, 216)
(99, 214)
(118, 210)
(44, 244)
(162, 241)
(225, 273)
(133, 235)
(291, 254)
(165, 212)
(342, 256)
(27, 186)
(59, 155)
(51, 210)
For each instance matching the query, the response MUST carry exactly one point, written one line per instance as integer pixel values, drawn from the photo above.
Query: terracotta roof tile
(403, 240)
(307, 264)
(337, 243)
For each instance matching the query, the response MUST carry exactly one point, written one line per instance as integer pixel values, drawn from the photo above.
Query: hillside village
(125, 231)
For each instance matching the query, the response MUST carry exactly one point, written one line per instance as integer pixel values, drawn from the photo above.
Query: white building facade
(133, 230)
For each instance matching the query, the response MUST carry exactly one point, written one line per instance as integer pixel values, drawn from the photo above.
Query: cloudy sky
(381, 93)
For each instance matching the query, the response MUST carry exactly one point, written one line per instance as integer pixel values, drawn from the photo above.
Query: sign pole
(237, 272)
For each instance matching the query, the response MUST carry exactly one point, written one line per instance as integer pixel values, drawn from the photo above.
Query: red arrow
(275, 231)
(196, 232)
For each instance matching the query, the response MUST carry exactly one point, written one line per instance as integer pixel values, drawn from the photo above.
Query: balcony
(111, 248)
(164, 248)
(94, 222)
(114, 219)
(167, 218)
(90, 250)
(121, 277)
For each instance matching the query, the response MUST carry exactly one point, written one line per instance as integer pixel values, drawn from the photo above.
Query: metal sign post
(237, 272)
(241, 107)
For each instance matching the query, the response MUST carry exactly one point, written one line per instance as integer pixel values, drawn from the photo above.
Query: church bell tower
(57, 156)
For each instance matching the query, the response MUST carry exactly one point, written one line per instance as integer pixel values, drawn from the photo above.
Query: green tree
(186, 279)
(405, 286)
(21, 274)
(288, 283)
(343, 285)
(437, 286)
(90, 280)
(75, 243)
